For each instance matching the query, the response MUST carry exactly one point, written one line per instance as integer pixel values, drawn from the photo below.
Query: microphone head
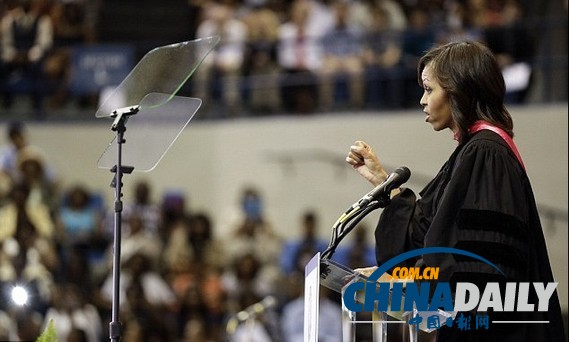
(404, 173)
(269, 302)
(242, 316)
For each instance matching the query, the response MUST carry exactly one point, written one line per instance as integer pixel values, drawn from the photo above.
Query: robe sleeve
(405, 221)
(402, 227)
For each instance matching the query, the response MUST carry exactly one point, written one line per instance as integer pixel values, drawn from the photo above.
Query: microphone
(393, 181)
(257, 308)
(250, 312)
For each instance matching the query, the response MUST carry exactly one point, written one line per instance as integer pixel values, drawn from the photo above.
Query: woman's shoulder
(486, 138)
(486, 154)
(487, 144)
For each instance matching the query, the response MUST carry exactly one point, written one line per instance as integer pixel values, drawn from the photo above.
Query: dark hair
(205, 220)
(15, 128)
(310, 215)
(469, 73)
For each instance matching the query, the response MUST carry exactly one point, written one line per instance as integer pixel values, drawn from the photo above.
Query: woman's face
(435, 102)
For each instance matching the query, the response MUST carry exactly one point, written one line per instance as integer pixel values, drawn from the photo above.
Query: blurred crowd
(297, 56)
(180, 279)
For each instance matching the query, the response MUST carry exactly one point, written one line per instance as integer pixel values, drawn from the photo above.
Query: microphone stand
(119, 125)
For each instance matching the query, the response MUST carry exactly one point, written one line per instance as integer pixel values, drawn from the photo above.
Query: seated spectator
(138, 275)
(292, 318)
(418, 38)
(177, 250)
(79, 216)
(255, 237)
(382, 56)
(172, 210)
(27, 36)
(70, 311)
(7, 327)
(342, 61)
(28, 254)
(26, 323)
(140, 241)
(13, 153)
(459, 25)
(32, 168)
(299, 56)
(251, 232)
(260, 65)
(142, 204)
(222, 65)
(308, 242)
(360, 14)
(70, 29)
(144, 318)
(79, 222)
(248, 275)
(136, 242)
(215, 301)
(514, 46)
(206, 247)
(20, 212)
(17, 141)
(191, 241)
(191, 320)
(398, 20)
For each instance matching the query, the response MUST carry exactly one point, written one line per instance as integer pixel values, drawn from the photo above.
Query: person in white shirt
(226, 59)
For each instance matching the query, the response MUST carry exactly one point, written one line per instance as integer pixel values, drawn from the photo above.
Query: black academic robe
(480, 201)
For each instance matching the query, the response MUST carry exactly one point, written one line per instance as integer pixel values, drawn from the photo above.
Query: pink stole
(482, 124)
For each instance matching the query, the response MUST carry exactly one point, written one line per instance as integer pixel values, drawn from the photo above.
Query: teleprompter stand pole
(119, 126)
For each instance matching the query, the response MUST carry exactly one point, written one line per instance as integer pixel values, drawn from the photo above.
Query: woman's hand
(367, 271)
(364, 160)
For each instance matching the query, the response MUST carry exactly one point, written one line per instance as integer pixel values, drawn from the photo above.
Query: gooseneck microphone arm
(342, 228)
(379, 197)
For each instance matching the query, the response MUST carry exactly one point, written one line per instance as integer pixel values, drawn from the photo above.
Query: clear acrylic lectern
(147, 99)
